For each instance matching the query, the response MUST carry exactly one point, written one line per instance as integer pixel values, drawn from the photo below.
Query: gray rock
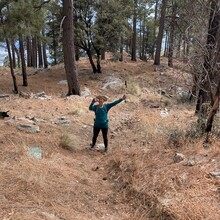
(24, 95)
(62, 121)
(215, 174)
(35, 152)
(29, 128)
(64, 82)
(4, 96)
(178, 157)
(190, 162)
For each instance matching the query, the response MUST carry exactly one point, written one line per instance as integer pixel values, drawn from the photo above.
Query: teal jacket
(101, 114)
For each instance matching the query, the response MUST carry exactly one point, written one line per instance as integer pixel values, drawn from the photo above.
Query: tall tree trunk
(178, 53)
(13, 53)
(54, 47)
(29, 52)
(102, 54)
(205, 94)
(11, 67)
(45, 57)
(69, 50)
(160, 34)
(121, 50)
(77, 53)
(155, 27)
(44, 52)
(171, 38)
(98, 53)
(140, 39)
(214, 109)
(23, 64)
(134, 34)
(40, 56)
(18, 57)
(185, 48)
(91, 61)
(166, 45)
(34, 52)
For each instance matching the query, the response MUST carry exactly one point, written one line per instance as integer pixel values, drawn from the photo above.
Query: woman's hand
(123, 97)
(94, 100)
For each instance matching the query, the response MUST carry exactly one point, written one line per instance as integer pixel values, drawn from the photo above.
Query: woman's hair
(102, 97)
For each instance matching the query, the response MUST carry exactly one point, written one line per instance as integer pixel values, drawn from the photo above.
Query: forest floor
(157, 166)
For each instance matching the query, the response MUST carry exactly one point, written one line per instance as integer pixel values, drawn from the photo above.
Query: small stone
(178, 157)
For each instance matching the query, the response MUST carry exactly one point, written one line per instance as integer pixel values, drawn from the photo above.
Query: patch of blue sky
(3, 54)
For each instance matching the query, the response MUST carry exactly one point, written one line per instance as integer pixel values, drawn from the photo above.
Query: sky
(3, 54)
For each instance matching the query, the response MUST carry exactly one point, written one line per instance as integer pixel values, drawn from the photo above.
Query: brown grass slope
(137, 179)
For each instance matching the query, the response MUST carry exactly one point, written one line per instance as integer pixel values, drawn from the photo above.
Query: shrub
(176, 138)
(67, 141)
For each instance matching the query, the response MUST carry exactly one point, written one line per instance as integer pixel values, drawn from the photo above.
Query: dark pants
(104, 135)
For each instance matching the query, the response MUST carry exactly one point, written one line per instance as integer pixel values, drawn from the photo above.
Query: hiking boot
(92, 147)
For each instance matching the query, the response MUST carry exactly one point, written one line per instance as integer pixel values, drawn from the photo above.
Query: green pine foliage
(54, 32)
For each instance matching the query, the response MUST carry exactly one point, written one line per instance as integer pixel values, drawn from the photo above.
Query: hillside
(143, 176)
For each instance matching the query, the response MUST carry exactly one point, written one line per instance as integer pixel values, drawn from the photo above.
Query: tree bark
(34, 52)
(91, 61)
(98, 53)
(40, 56)
(77, 56)
(13, 53)
(69, 50)
(214, 110)
(160, 34)
(166, 43)
(29, 52)
(134, 34)
(171, 37)
(44, 52)
(121, 50)
(23, 63)
(18, 57)
(210, 69)
(11, 67)
(155, 26)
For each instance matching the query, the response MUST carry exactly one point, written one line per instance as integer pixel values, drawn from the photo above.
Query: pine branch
(38, 7)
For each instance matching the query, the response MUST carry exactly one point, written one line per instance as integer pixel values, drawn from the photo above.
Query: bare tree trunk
(212, 45)
(99, 70)
(69, 50)
(155, 26)
(121, 50)
(214, 110)
(134, 34)
(77, 53)
(44, 52)
(160, 34)
(166, 45)
(29, 52)
(13, 53)
(11, 67)
(34, 52)
(18, 56)
(102, 54)
(171, 38)
(40, 56)
(178, 53)
(23, 64)
(91, 61)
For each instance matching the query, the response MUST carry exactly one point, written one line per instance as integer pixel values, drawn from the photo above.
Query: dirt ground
(140, 177)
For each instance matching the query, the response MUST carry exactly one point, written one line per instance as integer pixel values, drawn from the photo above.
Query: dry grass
(137, 179)
(67, 141)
